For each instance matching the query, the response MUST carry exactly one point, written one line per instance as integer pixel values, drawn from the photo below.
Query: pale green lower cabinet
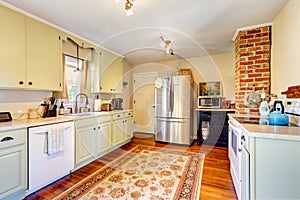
(96, 136)
(122, 127)
(13, 168)
(103, 135)
(117, 131)
(128, 126)
(271, 169)
(85, 137)
(245, 174)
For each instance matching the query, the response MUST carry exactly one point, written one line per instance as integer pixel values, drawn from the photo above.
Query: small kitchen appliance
(117, 103)
(106, 107)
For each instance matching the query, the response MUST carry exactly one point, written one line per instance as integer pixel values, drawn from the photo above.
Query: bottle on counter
(97, 104)
(61, 110)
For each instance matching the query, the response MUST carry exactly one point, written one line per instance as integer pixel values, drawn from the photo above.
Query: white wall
(20, 101)
(207, 68)
(285, 62)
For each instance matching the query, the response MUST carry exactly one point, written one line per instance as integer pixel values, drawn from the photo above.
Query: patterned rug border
(85, 185)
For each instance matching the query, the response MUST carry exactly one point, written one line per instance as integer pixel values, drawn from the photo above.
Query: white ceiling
(195, 27)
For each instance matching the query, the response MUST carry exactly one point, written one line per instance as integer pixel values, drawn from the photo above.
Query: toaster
(106, 107)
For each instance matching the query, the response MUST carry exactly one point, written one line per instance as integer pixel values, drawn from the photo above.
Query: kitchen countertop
(25, 123)
(214, 109)
(267, 131)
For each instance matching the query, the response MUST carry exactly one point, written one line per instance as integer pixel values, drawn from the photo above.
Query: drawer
(85, 122)
(12, 138)
(128, 114)
(102, 119)
(118, 116)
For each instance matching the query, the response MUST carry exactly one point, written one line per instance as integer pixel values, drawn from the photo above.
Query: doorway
(143, 101)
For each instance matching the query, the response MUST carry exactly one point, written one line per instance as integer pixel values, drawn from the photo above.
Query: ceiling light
(128, 8)
(167, 46)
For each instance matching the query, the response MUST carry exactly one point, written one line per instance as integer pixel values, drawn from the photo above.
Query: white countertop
(25, 123)
(215, 109)
(267, 131)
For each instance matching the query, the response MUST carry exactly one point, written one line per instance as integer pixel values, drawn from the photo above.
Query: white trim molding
(250, 28)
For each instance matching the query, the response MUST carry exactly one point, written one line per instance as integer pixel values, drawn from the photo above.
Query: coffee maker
(117, 103)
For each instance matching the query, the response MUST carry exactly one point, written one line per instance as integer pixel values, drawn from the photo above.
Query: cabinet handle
(30, 83)
(118, 115)
(7, 139)
(98, 127)
(239, 149)
(94, 129)
(21, 82)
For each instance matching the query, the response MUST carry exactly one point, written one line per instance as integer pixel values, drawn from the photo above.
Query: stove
(261, 121)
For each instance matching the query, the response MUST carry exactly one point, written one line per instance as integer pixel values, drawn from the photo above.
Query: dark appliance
(117, 104)
(5, 117)
(213, 127)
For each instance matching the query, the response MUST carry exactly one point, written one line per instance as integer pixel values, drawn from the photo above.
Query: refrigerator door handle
(171, 90)
(172, 120)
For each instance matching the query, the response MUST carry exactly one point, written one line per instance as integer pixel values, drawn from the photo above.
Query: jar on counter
(33, 113)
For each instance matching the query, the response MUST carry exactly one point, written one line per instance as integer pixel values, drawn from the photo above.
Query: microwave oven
(211, 102)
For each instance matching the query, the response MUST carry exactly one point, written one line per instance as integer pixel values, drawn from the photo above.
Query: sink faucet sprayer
(86, 101)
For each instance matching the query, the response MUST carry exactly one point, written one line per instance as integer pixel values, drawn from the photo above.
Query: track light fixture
(167, 46)
(128, 6)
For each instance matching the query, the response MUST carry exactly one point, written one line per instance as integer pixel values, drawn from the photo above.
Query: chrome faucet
(86, 101)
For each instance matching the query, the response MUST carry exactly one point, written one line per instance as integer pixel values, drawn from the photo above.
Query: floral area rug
(145, 173)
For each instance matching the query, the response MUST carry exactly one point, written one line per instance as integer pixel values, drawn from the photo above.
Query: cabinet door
(245, 176)
(43, 56)
(128, 128)
(103, 137)
(117, 132)
(84, 144)
(12, 49)
(112, 76)
(13, 170)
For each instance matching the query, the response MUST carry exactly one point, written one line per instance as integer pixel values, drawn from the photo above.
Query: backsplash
(18, 102)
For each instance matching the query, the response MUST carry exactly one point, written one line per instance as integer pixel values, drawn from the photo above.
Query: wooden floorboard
(216, 179)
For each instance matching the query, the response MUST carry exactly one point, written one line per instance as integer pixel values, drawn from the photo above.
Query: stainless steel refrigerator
(174, 110)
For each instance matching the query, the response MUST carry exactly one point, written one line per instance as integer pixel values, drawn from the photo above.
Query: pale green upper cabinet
(12, 49)
(31, 54)
(44, 56)
(111, 73)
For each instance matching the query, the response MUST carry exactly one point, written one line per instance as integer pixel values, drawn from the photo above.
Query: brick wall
(252, 67)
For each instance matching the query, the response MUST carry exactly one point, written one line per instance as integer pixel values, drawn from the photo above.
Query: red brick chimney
(252, 68)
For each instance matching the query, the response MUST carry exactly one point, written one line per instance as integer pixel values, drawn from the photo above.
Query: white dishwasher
(45, 166)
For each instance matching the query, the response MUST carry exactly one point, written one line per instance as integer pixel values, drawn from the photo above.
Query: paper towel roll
(97, 105)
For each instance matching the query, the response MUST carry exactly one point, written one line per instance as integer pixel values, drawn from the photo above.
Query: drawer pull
(7, 139)
(118, 115)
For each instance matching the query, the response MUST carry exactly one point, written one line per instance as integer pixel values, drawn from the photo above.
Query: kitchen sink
(79, 114)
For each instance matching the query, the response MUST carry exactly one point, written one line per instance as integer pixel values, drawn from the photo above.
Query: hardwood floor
(216, 179)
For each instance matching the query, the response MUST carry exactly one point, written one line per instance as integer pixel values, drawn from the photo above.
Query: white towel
(54, 141)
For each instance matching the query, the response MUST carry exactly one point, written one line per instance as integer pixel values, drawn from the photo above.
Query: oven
(234, 154)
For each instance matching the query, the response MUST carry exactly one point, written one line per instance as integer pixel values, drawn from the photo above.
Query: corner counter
(267, 131)
(269, 160)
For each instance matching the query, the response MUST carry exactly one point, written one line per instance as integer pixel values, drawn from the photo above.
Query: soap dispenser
(264, 106)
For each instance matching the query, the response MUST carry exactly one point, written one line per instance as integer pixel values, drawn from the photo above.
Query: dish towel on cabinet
(54, 141)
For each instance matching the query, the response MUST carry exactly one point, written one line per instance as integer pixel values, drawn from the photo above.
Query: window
(73, 76)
